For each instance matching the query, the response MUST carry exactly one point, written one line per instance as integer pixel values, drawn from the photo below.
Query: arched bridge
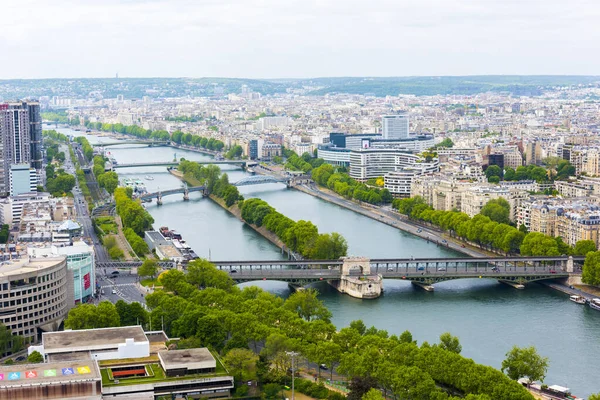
(252, 180)
(259, 180)
(123, 142)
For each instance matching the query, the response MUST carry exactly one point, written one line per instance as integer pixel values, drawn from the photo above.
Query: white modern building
(373, 163)
(399, 182)
(395, 126)
(23, 179)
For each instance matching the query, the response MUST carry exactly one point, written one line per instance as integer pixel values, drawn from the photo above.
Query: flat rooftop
(187, 358)
(45, 374)
(91, 338)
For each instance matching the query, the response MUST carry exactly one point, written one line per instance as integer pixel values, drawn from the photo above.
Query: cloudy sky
(297, 38)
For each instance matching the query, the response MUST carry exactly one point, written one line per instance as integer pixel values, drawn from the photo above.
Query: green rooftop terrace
(155, 374)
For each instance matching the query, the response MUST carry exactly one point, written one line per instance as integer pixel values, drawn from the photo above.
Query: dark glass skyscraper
(20, 138)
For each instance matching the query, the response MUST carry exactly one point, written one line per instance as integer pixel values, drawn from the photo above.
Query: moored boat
(578, 299)
(595, 304)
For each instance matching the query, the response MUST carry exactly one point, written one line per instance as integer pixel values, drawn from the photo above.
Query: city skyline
(299, 39)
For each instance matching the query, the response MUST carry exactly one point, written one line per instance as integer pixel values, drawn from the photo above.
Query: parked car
(21, 358)
(323, 366)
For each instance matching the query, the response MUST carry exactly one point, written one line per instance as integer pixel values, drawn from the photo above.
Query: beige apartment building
(573, 220)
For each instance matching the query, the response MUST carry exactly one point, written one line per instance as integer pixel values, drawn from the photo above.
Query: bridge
(363, 277)
(185, 190)
(150, 143)
(515, 271)
(242, 163)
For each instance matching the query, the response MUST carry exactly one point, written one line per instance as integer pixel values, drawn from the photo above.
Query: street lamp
(293, 354)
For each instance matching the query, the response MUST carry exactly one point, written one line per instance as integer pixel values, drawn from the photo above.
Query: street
(125, 285)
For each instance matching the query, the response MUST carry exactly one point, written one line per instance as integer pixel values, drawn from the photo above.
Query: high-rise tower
(20, 138)
(395, 126)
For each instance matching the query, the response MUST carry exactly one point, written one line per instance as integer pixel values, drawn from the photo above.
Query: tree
(306, 304)
(148, 268)
(89, 316)
(497, 210)
(583, 247)
(359, 386)
(35, 357)
(131, 313)
(241, 363)
(271, 390)
(493, 170)
(538, 244)
(359, 326)
(525, 362)
(564, 170)
(591, 269)
(9, 343)
(450, 343)
(594, 396)
(373, 394)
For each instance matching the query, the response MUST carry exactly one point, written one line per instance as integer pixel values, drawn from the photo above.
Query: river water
(488, 317)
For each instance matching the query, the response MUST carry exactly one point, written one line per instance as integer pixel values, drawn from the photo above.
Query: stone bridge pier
(356, 279)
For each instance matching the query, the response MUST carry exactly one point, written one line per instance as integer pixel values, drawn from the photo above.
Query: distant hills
(518, 85)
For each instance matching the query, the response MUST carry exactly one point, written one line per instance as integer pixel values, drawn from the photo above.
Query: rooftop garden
(154, 370)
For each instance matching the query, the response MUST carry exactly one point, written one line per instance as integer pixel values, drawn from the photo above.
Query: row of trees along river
(488, 317)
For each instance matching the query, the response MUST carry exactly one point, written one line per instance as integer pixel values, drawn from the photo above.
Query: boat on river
(595, 304)
(149, 178)
(578, 299)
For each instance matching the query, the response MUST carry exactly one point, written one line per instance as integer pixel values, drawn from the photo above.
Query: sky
(297, 38)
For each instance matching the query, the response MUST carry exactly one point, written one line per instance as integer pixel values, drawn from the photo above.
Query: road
(81, 208)
(125, 286)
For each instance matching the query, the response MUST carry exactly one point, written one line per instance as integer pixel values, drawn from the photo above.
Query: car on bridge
(421, 269)
(441, 268)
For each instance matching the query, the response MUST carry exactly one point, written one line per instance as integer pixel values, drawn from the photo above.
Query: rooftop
(91, 338)
(44, 374)
(186, 358)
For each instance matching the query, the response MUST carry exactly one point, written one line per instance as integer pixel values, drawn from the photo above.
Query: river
(488, 317)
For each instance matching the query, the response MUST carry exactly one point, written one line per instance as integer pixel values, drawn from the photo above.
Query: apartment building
(399, 182)
(572, 219)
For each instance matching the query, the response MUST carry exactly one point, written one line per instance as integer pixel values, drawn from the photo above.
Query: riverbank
(235, 211)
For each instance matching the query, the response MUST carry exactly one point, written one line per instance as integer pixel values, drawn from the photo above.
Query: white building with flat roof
(395, 126)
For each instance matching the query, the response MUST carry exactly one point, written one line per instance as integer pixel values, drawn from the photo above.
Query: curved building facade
(36, 294)
(372, 163)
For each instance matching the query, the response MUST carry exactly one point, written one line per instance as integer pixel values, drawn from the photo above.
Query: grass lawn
(150, 282)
